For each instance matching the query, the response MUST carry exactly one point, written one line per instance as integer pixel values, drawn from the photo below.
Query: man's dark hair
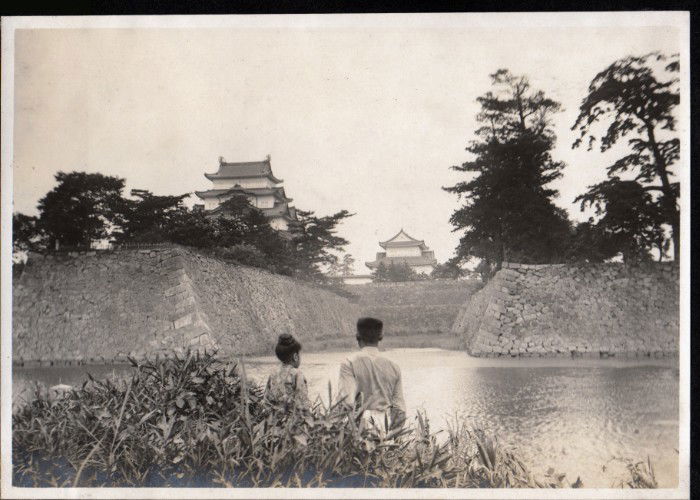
(370, 329)
(286, 346)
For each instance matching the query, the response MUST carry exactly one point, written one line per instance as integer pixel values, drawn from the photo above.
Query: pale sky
(366, 119)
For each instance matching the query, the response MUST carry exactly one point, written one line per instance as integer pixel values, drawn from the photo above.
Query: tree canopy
(343, 267)
(448, 270)
(395, 271)
(508, 213)
(148, 217)
(27, 234)
(316, 242)
(84, 208)
(81, 208)
(629, 222)
(636, 97)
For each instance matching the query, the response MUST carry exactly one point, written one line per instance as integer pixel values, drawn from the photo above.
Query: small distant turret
(404, 249)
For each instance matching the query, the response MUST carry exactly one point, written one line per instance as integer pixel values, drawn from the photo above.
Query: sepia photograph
(346, 256)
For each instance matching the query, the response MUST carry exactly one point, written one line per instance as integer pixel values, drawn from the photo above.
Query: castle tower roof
(242, 170)
(402, 239)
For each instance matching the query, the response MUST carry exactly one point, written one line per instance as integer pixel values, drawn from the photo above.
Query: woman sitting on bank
(287, 385)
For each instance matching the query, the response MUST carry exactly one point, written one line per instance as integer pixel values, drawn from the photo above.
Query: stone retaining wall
(414, 306)
(594, 310)
(103, 306)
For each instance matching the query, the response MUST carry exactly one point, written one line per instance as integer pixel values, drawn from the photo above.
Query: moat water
(582, 417)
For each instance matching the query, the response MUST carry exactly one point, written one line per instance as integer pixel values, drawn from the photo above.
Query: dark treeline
(395, 272)
(508, 213)
(84, 208)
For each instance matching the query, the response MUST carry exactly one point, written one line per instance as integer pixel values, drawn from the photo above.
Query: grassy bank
(194, 421)
(419, 340)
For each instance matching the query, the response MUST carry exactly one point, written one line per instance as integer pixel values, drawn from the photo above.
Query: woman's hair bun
(287, 345)
(286, 339)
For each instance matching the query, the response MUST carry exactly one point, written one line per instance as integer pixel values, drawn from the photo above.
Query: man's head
(287, 350)
(369, 331)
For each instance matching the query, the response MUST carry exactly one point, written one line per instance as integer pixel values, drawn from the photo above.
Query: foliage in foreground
(195, 421)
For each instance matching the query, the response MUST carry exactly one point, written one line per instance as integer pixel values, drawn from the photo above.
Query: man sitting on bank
(369, 380)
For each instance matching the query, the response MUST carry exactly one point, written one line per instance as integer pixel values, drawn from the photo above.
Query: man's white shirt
(375, 378)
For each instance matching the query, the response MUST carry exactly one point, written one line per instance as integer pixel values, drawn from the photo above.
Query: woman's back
(286, 385)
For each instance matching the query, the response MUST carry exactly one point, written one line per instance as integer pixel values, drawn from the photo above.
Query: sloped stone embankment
(594, 310)
(415, 306)
(103, 306)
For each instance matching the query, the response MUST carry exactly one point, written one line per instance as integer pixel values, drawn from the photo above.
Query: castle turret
(404, 249)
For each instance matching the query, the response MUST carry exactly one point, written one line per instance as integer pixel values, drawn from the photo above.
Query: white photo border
(675, 19)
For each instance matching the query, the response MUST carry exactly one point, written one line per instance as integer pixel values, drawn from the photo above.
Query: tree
(81, 208)
(347, 265)
(239, 231)
(242, 223)
(380, 275)
(315, 242)
(27, 235)
(148, 217)
(508, 213)
(395, 272)
(630, 221)
(192, 228)
(638, 96)
(343, 267)
(85, 207)
(449, 270)
(589, 244)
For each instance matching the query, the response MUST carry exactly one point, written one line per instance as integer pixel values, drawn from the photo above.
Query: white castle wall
(403, 252)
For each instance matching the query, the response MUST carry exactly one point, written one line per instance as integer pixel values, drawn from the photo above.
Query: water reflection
(573, 415)
(577, 416)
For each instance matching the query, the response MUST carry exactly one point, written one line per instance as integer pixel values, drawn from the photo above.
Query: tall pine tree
(508, 213)
(636, 97)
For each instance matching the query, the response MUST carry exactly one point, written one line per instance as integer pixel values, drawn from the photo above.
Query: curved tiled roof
(233, 170)
(210, 193)
(280, 209)
(409, 242)
(278, 192)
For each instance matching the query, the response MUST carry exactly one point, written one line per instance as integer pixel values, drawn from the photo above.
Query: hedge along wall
(414, 306)
(103, 306)
(595, 310)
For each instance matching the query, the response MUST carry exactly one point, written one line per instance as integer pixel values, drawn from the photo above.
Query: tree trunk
(669, 200)
(676, 237)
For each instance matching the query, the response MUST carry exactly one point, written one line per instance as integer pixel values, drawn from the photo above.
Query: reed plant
(195, 421)
(640, 474)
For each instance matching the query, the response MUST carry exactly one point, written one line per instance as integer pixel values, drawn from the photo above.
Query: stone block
(173, 262)
(177, 273)
(184, 302)
(185, 320)
(173, 290)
